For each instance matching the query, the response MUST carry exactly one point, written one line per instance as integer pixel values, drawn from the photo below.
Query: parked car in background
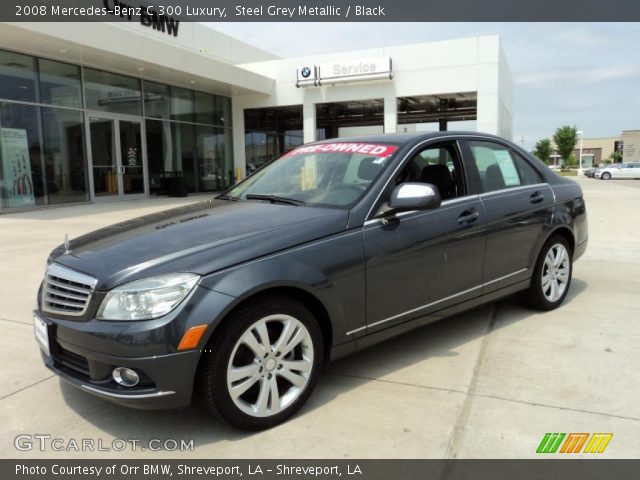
(628, 170)
(333, 247)
(590, 172)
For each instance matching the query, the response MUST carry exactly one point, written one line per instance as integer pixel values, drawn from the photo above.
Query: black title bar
(564, 469)
(321, 10)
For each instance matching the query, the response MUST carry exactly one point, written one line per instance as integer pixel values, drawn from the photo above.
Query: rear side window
(500, 168)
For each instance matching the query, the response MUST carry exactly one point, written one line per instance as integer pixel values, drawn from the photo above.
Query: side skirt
(345, 349)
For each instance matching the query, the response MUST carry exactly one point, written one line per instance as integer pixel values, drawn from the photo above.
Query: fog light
(125, 376)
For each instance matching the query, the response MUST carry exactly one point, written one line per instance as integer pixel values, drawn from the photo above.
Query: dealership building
(93, 112)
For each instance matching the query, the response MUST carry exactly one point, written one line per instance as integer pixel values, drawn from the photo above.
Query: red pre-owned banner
(373, 149)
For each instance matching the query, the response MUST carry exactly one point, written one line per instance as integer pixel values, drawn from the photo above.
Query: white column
(309, 121)
(390, 110)
(239, 159)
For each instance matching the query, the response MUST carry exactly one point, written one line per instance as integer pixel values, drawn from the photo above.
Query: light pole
(580, 159)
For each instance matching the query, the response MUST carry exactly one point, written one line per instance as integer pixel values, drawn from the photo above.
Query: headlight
(147, 298)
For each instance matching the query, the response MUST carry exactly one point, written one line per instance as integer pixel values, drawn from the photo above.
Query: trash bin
(172, 184)
(178, 186)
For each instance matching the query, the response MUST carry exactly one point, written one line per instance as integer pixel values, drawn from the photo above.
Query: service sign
(361, 69)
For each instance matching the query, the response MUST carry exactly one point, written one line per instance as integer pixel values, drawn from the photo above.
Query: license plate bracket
(41, 330)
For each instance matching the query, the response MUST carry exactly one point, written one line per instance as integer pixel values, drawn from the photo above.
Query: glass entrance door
(117, 157)
(104, 156)
(131, 166)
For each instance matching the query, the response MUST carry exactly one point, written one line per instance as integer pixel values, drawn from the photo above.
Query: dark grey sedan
(333, 247)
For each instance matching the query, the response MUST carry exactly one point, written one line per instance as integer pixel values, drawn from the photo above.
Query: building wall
(631, 148)
(465, 65)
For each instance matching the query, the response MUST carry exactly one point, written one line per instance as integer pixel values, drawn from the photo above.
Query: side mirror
(414, 196)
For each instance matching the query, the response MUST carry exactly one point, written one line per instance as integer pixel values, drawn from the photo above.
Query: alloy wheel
(270, 365)
(555, 272)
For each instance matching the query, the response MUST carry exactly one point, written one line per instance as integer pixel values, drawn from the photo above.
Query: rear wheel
(552, 276)
(606, 176)
(262, 364)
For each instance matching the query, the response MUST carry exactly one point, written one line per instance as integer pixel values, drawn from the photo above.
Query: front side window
(438, 165)
(499, 168)
(328, 174)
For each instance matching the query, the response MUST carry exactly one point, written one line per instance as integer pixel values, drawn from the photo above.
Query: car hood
(200, 238)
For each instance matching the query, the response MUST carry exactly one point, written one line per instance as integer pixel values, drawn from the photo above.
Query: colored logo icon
(574, 442)
(305, 72)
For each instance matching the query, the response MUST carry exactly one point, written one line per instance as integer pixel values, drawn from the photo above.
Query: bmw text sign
(345, 71)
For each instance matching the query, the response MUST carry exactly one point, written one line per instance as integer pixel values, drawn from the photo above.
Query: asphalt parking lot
(486, 384)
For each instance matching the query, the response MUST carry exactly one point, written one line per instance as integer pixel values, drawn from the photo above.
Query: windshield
(328, 174)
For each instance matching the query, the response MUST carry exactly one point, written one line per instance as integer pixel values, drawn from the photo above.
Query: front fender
(331, 269)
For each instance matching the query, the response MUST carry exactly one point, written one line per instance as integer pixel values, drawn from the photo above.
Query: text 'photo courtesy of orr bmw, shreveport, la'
(333, 247)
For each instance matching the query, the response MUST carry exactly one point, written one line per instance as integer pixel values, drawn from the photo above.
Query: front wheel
(552, 275)
(606, 176)
(262, 363)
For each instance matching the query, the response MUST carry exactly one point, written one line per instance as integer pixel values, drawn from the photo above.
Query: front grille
(66, 291)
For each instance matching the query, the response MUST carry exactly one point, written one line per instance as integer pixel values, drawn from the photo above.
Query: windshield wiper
(274, 199)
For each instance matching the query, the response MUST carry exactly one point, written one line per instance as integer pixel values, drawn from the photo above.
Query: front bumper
(166, 381)
(170, 387)
(85, 352)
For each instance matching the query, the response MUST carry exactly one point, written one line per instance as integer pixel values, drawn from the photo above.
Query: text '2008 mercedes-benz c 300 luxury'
(333, 247)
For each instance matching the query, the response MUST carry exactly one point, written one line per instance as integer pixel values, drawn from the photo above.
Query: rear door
(627, 170)
(422, 261)
(518, 204)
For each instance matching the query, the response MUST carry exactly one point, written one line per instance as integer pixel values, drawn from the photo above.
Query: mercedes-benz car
(334, 247)
(628, 170)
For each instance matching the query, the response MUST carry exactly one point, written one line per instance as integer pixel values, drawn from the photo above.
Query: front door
(117, 157)
(423, 261)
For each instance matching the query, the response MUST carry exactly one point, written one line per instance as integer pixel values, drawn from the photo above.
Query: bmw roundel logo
(305, 72)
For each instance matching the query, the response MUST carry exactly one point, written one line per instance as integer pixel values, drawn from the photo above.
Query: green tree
(571, 161)
(565, 139)
(542, 150)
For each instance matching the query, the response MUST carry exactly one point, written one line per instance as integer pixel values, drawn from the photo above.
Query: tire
(606, 176)
(548, 289)
(261, 364)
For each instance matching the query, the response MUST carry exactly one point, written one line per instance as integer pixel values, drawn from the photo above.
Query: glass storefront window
(21, 172)
(43, 149)
(17, 77)
(156, 100)
(214, 158)
(60, 84)
(184, 152)
(270, 132)
(205, 107)
(159, 152)
(222, 114)
(226, 111)
(182, 104)
(109, 92)
(64, 156)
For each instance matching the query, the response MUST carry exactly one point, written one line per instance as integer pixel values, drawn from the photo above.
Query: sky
(582, 74)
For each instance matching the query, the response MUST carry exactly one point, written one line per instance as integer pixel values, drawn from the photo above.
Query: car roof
(403, 138)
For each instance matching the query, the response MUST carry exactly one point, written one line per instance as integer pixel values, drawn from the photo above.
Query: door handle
(468, 216)
(536, 197)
